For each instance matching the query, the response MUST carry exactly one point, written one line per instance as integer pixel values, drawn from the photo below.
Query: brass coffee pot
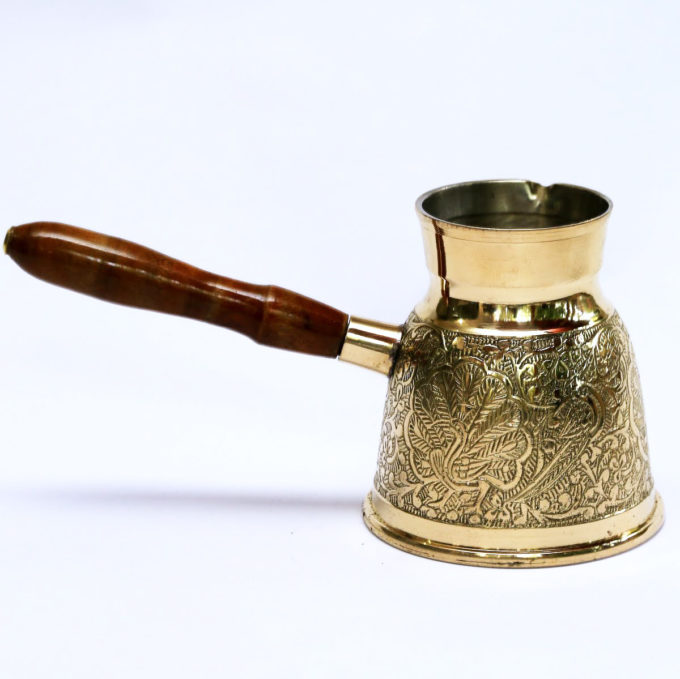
(513, 433)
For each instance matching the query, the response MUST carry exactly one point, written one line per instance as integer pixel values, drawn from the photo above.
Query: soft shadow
(192, 499)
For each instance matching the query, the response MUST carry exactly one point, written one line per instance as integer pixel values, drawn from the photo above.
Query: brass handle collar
(371, 344)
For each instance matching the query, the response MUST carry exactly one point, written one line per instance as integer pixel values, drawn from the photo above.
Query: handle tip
(8, 237)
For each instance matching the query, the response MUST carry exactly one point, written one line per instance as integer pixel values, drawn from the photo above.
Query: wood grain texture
(119, 271)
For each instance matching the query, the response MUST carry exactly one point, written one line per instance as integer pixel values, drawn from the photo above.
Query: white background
(176, 501)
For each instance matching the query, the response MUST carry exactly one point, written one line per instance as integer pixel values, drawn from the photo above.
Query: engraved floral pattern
(489, 431)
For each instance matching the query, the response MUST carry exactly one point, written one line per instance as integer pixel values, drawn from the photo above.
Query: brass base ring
(417, 543)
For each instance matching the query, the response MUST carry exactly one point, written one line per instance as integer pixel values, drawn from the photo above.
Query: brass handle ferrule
(371, 344)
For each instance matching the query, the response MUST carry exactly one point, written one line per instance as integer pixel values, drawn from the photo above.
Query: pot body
(514, 430)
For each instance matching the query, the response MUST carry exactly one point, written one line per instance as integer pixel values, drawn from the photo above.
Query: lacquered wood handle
(119, 271)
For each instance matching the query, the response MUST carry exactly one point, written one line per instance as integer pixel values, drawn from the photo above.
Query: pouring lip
(534, 191)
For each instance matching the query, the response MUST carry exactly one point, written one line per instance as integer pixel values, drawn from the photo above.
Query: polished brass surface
(576, 311)
(553, 546)
(512, 265)
(514, 432)
(370, 344)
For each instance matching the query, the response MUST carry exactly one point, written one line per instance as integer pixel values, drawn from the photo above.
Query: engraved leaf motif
(468, 390)
(426, 441)
(464, 426)
(490, 394)
(499, 443)
(433, 409)
(497, 431)
(572, 418)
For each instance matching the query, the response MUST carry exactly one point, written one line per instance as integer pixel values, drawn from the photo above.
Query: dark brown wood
(119, 271)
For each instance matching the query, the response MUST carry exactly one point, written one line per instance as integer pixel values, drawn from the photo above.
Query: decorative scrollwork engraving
(538, 431)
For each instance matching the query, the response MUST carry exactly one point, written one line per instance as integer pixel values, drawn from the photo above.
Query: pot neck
(535, 280)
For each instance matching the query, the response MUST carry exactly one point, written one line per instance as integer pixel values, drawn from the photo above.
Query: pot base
(493, 547)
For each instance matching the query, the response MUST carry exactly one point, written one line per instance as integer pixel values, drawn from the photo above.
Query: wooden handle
(119, 271)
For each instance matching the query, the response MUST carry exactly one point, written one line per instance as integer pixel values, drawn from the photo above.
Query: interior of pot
(513, 204)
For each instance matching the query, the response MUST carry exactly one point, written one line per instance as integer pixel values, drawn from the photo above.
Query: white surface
(176, 501)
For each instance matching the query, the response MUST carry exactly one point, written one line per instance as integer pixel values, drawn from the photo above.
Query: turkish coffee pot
(513, 432)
